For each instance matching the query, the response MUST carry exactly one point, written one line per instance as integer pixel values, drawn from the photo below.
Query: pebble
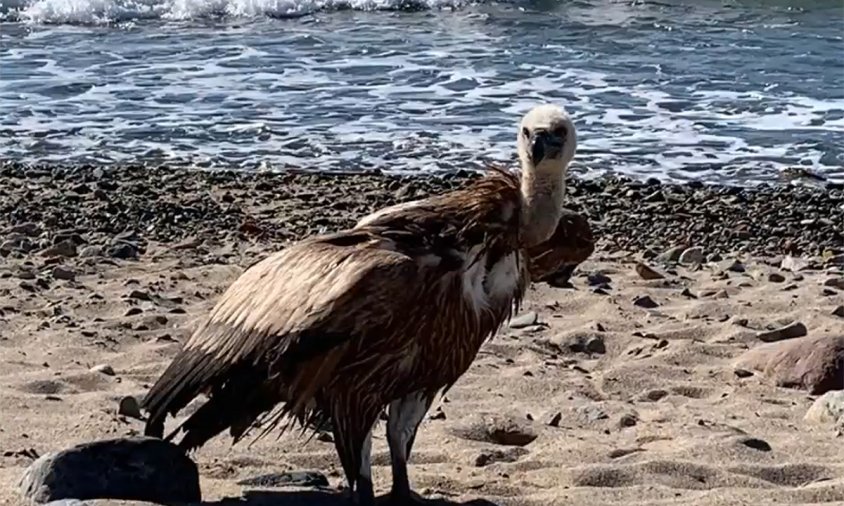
(524, 320)
(287, 479)
(791, 331)
(123, 250)
(756, 444)
(793, 264)
(555, 419)
(692, 256)
(776, 277)
(132, 311)
(139, 294)
(129, 406)
(671, 255)
(731, 266)
(134, 469)
(743, 373)
(63, 273)
(66, 248)
(91, 251)
(491, 456)
(103, 369)
(827, 409)
(647, 272)
(835, 283)
(496, 428)
(598, 278)
(587, 344)
(645, 301)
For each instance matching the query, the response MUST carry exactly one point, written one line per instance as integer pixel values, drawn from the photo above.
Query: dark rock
(645, 301)
(628, 420)
(129, 406)
(838, 311)
(587, 344)
(555, 419)
(815, 364)
(598, 278)
(776, 277)
(835, 283)
(692, 256)
(287, 479)
(132, 311)
(66, 248)
(123, 250)
(140, 295)
(756, 444)
(743, 373)
(139, 469)
(60, 272)
(791, 331)
(647, 272)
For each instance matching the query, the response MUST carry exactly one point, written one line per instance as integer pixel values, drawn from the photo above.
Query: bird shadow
(321, 498)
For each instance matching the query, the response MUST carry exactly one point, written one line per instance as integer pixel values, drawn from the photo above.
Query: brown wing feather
(571, 244)
(282, 330)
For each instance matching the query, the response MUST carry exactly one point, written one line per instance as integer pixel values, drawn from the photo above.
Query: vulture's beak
(545, 145)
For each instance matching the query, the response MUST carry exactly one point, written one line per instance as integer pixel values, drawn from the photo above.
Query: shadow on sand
(320, 498)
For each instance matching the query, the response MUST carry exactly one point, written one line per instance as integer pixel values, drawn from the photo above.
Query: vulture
(387, 314)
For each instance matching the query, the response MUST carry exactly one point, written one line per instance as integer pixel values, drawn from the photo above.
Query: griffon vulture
(389, 313)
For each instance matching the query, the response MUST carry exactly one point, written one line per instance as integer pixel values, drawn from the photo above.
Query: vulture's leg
(353, 440)
(405, 416)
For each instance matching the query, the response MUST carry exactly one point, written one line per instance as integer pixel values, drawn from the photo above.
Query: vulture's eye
(526, 132)
(561, 132)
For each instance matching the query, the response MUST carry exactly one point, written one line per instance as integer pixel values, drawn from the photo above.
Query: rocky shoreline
(670, 380)
(117, 209)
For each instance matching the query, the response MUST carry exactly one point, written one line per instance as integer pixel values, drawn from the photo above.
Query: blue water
(727, 91)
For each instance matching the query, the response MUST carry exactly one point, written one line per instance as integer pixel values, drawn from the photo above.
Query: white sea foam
(86, 12)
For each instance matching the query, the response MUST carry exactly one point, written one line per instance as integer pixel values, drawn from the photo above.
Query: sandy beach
(638, 384)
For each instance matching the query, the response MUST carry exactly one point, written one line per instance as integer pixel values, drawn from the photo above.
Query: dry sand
(657, 415)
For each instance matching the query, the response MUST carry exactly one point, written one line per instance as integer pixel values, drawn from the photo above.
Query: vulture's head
(547, 140)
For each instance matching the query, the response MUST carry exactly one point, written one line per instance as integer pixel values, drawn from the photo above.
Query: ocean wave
(93, 12)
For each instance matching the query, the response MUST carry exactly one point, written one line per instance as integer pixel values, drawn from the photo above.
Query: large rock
(139, 469)
(827, 409)
(815, 364)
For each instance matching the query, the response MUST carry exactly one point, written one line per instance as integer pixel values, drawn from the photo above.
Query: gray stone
(139, 469)
(791, 331)
(66, 248)
(692, 256)
(671, 255)
(91, 251)
(793, 264)
(524, 320)
(835, 283)
(103, 369)
(287, 479)
(61, 272)
(827, 409)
